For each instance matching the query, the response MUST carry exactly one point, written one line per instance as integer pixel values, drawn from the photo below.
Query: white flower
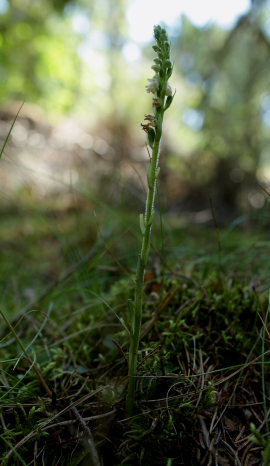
(169, 90)
(152, 86)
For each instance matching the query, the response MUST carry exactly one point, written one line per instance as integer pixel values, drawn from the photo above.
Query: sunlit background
(142, 15)
(81, 69)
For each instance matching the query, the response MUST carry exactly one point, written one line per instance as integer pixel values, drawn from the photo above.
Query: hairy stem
(141, 266)
(158, 85)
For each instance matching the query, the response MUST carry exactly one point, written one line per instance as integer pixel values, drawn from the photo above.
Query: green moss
(200, 351)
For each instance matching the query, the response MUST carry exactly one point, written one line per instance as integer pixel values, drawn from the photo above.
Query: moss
(199, 359)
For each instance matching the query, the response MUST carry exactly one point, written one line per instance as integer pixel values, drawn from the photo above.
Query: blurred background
(80, 70)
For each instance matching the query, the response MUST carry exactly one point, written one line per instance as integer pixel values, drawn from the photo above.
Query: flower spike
(162, 99)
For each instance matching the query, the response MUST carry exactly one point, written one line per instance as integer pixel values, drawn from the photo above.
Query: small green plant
(262, 441)
(162, 99)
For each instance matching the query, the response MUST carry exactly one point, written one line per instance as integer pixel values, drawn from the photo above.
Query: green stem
(141, 265)
(158, 85)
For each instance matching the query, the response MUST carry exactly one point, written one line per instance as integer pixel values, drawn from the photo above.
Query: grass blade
(10, 130)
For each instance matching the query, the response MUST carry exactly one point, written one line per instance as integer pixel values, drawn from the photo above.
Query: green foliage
(206, 328)
(262, 441)
(204, 316)
(38, 52)
(225, 116)
(220, 120)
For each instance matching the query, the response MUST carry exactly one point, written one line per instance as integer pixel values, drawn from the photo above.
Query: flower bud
(156, 68)
(168, 102)
(168, 90)
(169, 73)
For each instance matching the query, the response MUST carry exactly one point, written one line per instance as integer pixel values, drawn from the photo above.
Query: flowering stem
(163, 97)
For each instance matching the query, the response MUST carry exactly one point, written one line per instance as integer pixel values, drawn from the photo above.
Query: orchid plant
(162, 99)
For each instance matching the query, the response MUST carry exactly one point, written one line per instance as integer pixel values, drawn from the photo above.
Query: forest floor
(202, 394)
